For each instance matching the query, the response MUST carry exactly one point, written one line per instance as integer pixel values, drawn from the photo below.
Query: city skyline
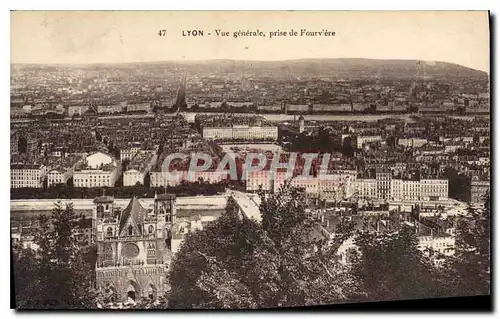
(459, 37)
(428, 62)
(155, 168)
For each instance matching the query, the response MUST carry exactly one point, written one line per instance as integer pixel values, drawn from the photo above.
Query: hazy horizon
(121, 37)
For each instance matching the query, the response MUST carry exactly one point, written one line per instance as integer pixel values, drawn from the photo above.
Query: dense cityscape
(403, 160)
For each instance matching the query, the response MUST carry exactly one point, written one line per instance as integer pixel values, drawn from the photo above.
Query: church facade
(133, 247)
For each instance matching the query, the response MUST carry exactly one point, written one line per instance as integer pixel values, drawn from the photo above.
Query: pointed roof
(133, 210)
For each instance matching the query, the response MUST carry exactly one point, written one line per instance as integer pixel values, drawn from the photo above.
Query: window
(109, 232)
(130, 230)
(151, 229)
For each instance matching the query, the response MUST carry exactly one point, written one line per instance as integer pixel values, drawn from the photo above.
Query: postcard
(249, 159)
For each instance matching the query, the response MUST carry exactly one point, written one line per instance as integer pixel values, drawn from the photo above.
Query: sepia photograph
(246, 160)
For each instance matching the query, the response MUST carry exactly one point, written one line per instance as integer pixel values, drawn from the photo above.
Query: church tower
(164, 208)
(132, 251)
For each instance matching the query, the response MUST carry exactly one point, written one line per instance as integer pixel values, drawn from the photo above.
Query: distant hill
(349, 67)
(345, 68)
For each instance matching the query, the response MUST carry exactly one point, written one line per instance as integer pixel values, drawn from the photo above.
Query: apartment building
(367, 188)
(161, 178)
(14, 143)
(412, 142)
(241, 132)
(333, 186)
(129, 152)
(56, 176)
(138, 167)
(362, 140)
(143, 107)
(97, 170)
(77, 110)
(478, 190)
(440, 243)
(404, 190)
(95, 178)
(109, 109)
(259, 179)
(62, 169)
(27, 175)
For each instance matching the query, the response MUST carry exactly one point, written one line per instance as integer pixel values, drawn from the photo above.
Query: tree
(389, 266)
(347, 146)
(59, 273)
(143, 303)
(468, 271)
(238, 263)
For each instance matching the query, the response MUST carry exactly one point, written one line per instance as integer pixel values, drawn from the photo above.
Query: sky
(460, 37)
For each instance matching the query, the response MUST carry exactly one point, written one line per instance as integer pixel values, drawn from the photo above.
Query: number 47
(162, 33)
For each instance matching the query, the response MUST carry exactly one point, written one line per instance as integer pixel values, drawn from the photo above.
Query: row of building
(341, 185)
(248, 128)
(95, 170)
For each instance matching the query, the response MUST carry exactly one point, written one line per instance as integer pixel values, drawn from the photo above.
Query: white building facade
(241, 132)
(27, 175)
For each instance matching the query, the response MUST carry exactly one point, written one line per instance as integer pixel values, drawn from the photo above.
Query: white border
(492, 5)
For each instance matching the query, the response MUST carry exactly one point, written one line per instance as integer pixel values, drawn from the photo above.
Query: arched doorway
(152, 292)
(133, 290)
(110, 293)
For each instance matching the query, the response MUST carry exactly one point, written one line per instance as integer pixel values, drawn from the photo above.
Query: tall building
(14, 142)
(133, 247)
(241, 132)
(383, 177)
(384, 187)
(478, 190)
(97, 170)
(362, 140)
(27, 175)
(237, 128)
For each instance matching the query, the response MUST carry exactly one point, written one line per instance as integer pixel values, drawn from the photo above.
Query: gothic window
(152, 292)
(130, 230)
(109, 232)
(108, 252)
(130, 250)
(107, 206)
(151, 251)
(151, 229)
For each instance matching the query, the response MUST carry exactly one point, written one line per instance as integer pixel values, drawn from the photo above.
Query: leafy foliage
(286, 260)
(57, 275)
(238, 263)
(468, 272)
(144, 303)
(390, 267)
